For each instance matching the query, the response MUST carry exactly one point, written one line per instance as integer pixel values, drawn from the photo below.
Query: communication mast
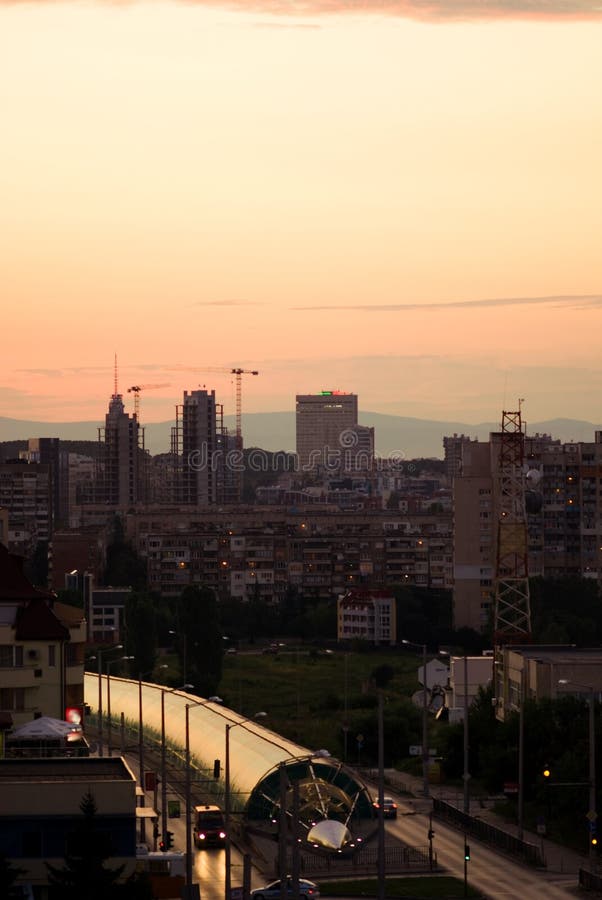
(512, 600)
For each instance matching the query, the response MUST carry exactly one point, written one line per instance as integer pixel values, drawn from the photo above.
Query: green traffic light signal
(466, 852)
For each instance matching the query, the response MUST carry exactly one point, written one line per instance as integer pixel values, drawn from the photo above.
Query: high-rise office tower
(325, 424)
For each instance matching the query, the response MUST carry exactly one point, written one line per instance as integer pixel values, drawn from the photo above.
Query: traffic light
(546, 772)
(216, 768)
(593, 835)
(167, 842)
(466, 852)
(431, 834)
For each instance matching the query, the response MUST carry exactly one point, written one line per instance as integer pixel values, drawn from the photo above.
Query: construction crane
(135, 390)
(238, 373)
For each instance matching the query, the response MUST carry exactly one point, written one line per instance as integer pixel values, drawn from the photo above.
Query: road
(494, 874)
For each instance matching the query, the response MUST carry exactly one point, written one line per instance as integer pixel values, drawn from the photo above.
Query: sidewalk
(559, 859)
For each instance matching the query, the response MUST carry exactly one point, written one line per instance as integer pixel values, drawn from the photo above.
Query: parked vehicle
(308, 890)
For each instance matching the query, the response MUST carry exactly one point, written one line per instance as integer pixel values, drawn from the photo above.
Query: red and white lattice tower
(512, 601)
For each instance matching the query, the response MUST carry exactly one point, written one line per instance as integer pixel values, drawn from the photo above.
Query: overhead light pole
(227, 799)
(188, 791)
(112, 662)
(381, 801)
(99, 653)
(425, 738)
(592, 813)
(521, 753)
(184, 687)
(141, 722)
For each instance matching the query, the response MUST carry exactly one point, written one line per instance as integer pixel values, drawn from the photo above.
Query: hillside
(410, 437)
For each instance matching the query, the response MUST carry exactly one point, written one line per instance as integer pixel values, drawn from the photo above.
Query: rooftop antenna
(115, 377)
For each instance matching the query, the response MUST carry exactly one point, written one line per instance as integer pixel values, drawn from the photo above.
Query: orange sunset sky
(401, 199)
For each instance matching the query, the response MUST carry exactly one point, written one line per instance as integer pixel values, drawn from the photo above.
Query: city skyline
(396, 203)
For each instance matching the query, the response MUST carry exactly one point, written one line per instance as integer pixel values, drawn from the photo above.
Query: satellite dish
(533, 502)
(533, 476)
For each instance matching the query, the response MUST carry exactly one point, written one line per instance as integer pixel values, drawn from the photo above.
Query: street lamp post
(521, 755)
(425, 747)
(140, 723)
(228, 854)
(592, 814)
(109, 723)
(194, 703)
(184, 640)
(185, 687)
(381, 801)
(99, 659)
(466, 775)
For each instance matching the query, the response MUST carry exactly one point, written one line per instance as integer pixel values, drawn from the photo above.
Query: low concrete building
(535, 672)
(40, 812)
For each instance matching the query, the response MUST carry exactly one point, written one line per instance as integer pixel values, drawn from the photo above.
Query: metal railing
(489, 834)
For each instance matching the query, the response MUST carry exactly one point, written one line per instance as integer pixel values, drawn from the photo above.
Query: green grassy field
(309, 696)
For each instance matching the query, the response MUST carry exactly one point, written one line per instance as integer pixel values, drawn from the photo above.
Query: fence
(590, 881)
(489, 834)
(397, 859)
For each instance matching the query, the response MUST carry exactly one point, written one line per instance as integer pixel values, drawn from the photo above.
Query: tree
(197, 619)
(141, 633)
(8, 877)
(124, 566)
(566, 610)
(84, 875)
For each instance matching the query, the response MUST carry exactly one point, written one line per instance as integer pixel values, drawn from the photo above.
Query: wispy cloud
(441, 10)
(91, 371)
(432, 11)
(226, 303)
(584, 301)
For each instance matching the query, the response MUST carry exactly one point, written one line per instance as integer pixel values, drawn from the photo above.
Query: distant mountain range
(276, 431)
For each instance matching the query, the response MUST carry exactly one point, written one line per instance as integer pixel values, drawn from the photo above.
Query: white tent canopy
(44, 729)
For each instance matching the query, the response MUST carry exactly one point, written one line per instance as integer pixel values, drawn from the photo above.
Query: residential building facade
(368, 615)
(42, 646)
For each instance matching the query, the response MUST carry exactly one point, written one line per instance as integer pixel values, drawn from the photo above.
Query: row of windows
(12, 655)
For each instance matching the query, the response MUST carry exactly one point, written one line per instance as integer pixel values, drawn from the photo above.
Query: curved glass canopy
(259, 758)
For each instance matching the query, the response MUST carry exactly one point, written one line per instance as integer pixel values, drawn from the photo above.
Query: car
(389, 807)
(308, 890)
(231, 651)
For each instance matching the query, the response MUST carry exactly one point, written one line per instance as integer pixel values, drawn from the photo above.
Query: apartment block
(268, 553)
(367, 615)
(26, 492)
(563, 502)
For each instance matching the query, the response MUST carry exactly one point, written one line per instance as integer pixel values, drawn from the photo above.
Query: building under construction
(205, 458)
(121, 464)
